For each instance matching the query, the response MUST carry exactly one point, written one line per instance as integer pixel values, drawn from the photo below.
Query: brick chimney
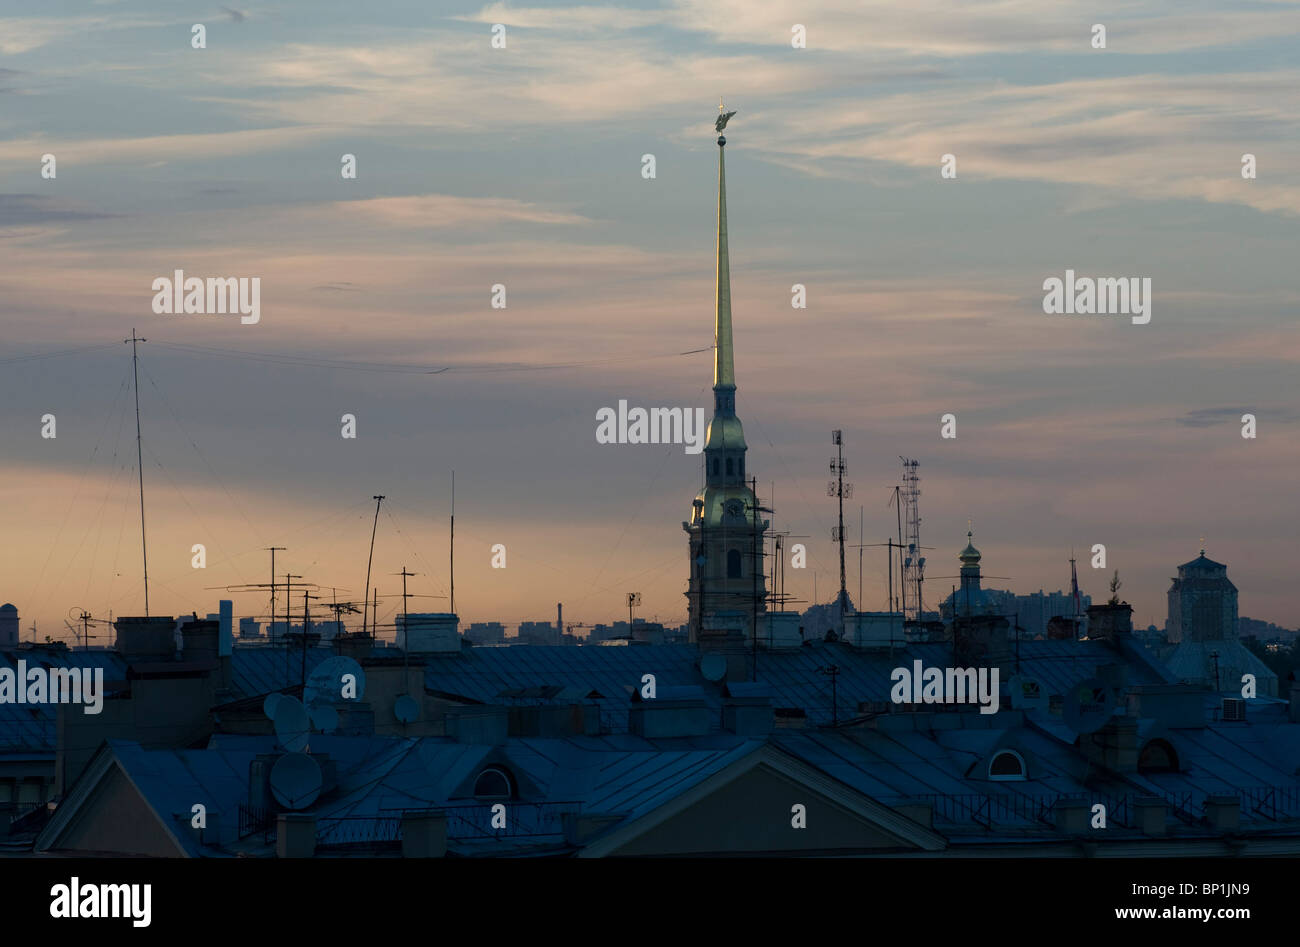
(1110, 622)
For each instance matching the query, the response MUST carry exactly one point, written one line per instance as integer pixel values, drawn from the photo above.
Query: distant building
(486, 632)
(1204, 647)
(249, 628)
(538, 633)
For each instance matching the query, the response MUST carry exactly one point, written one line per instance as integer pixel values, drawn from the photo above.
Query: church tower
(727, 591)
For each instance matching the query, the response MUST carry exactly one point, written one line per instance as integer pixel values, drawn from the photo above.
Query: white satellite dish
(324, 717)
(1026, 693)
(296, 780)
(1088, 705)
(406, 709)
(270, 703)
(713, 667)
(292, 724)
(325, 683)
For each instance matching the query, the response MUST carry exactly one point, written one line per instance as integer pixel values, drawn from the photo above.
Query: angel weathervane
(721, 123)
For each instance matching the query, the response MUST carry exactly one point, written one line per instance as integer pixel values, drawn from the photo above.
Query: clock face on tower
(733, 508)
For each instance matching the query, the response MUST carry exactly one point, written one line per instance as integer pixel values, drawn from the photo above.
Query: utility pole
(139, 462)
(378, 500)
(406, 642)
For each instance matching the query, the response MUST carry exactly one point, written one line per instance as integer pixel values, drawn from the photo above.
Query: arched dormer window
(1158, 757)
(730, 470)
(1007, 766)
(733, 563)
(493, 783)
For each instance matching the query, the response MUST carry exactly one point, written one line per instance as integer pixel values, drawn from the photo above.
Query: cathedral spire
(724, 373)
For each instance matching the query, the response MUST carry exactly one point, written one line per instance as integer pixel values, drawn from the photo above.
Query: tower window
(742, 468)
(717, 466)
(729, 469)
(733, 564)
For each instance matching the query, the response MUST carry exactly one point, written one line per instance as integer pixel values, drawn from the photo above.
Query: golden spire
(723, 370)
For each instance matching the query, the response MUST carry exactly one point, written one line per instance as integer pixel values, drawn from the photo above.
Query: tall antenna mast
(378, 500)
(838, 488)
(453, 542)
(406, 641)
(139, 462)
(914, 564)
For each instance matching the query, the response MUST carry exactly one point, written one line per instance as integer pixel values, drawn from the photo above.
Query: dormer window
(1007, 766)
(493, 783)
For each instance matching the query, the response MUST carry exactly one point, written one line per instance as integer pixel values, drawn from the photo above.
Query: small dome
(970, 555)
(6, 607)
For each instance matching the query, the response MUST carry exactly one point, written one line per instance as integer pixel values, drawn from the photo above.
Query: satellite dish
(270, 703)
(296, 780)
(1088, 705)
(325, 683)
(406, 709)
(292, 724)
(713, 667)
(1026, 693)
(324, 717)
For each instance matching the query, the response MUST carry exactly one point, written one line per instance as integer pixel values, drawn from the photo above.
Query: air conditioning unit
(1234, 710)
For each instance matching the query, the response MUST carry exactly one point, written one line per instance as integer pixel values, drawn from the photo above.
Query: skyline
(923, 297)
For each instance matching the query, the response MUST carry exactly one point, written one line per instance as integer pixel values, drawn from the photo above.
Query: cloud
(444, 210)
(235, 16)
(22, 209)
(22, 34)
(1209, 417)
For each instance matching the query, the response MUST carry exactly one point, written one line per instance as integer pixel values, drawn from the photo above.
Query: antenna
(139, 462)
(914, 564)
(838, 488)
(273, 551)
(406, 641)
(378, 500)
(452, 563)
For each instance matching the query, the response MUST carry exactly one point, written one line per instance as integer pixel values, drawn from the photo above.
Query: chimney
(226, 642)
(200, 640)
(1110, 622)
(675, 712)
(747, 709)
(1149, 815)
(1223, 813)
(424, 834)
(295, 835)
(559, 619)
(1072, 816)
(354, 645)
(146, 638)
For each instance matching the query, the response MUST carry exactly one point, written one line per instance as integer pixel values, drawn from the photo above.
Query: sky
(523, 166)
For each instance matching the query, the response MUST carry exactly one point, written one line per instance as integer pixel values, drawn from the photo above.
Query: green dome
(725, 432)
